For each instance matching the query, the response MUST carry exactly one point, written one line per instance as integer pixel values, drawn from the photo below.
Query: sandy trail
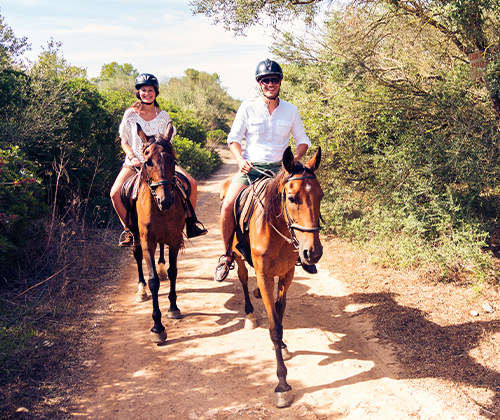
(212, 368)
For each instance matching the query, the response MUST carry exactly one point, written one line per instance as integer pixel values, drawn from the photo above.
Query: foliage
(117, 77)
(21, 205)
(185, 122)
(195, 159)
(11, 47)
(113, 69)
(202, 94)
(217, 137)
(238, 15)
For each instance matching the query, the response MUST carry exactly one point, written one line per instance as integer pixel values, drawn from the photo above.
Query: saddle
(244, 207)
(130, 191)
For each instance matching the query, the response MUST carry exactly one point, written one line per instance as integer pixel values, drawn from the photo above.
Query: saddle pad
(246, 200)
(130, 188)
(183, 185)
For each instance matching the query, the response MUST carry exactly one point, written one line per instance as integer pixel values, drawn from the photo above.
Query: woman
(147, 113)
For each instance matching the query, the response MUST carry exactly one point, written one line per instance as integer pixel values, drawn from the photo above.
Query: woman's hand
(135, 162)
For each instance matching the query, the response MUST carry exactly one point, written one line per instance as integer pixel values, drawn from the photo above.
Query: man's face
(270, 86)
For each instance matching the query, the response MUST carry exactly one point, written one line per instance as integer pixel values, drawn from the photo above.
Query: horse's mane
(272, 196)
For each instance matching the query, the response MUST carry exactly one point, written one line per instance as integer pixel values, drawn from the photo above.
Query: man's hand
(244, 165)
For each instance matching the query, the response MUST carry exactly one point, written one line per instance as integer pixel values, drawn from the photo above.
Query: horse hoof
(162, 273)
(250, 322)
(142, 295)
(174, 314)
(158, 338)
(283, 399)
(286, 354)
(256, 293)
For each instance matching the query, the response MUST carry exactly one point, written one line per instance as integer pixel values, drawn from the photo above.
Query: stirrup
(222, 270)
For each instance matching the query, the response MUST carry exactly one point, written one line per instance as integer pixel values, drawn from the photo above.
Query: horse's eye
(291, 198)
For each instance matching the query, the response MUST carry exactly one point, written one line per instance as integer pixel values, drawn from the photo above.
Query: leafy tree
(238, 15)
(202, 94)
(11, 47)
(463, 25)
(113, 69)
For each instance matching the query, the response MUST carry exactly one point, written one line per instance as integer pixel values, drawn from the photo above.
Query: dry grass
(46, 323)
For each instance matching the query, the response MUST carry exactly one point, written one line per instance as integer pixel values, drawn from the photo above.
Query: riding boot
(192, 228)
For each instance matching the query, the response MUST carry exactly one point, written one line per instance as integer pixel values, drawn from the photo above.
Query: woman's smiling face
(147, 94)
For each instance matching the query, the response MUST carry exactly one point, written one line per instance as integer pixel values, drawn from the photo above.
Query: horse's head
(159, 166)
(301, 197)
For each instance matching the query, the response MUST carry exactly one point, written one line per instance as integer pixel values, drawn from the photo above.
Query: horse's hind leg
(250, 320)
(161, 263)
(141, 294)
(173, 311)
(158, 333)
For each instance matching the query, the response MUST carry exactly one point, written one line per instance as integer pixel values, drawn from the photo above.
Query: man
(265, 123)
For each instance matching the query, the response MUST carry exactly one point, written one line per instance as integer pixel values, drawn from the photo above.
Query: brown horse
(160, 220)
(285, 222)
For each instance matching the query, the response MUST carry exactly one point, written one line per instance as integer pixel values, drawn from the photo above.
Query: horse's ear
(288, 160)
(315, 161)
(170, 131)
(142, 134)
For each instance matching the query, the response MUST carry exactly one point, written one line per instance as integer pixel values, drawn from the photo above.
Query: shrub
(21, 204)
(196, 160)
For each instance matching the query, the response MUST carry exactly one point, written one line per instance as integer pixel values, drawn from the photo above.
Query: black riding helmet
(268, 68)
(146, 79)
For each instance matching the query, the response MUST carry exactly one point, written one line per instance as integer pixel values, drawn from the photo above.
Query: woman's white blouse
(128, 130)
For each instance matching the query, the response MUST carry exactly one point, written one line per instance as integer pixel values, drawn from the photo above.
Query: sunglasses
(269, 80)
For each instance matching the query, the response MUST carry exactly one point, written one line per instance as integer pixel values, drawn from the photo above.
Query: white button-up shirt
(267, 136)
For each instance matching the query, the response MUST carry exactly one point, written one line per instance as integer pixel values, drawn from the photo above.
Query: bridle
(291, 225)
(153, 185)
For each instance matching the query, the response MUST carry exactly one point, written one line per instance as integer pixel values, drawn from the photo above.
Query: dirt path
(212, 368)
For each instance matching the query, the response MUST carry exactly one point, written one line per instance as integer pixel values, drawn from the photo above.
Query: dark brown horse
(160, 220)
(284, 223)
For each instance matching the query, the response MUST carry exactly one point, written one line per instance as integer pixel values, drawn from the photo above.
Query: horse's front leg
(161, 263)
(158, 333)
(173, 311)
(283, 396)
(141, 295)
(280, 305)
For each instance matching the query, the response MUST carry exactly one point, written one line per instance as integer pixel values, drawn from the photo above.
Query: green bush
(196, 160)
(21, 205)
(217, 136)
